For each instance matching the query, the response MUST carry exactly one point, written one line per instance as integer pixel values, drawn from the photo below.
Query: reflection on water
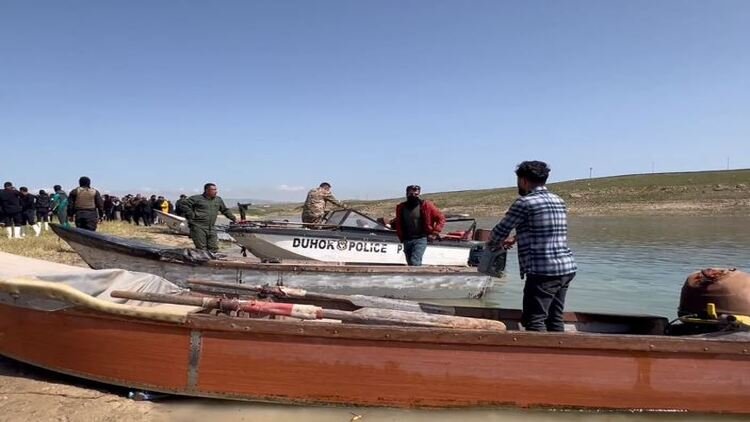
(626, 265)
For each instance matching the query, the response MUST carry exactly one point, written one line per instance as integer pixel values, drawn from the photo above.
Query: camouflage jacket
(315, 204)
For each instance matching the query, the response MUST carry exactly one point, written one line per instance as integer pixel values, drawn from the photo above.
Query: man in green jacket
(201, 212)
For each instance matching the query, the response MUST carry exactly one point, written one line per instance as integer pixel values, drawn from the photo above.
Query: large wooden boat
(350, 236)
(603, 362)
(178, 265)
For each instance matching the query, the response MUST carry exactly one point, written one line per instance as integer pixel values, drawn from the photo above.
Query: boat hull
(279, 246)
(341, 364)
(397, 282)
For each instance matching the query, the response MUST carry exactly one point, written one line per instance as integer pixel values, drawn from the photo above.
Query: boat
(349, 236)
(179, 225)
(64, 322)
(178, 265)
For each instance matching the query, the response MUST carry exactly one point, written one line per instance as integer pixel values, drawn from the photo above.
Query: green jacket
(202, 211)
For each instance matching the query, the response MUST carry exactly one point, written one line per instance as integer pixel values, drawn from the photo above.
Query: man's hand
(509, 242)
(434, 236)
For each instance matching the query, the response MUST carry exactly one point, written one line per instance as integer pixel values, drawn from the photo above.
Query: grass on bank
(695, 193)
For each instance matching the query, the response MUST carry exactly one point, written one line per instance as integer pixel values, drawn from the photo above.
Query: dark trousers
(42, 215)
(87, 219)
(28, 217)
(13, 219)
(414, 250)
(543, 302)
(204, 238)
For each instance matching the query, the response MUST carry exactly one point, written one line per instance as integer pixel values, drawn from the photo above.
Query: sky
(269, 98)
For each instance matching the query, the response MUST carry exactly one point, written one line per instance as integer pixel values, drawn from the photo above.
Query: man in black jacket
(28, 211)
(10, 203)
(42, 209)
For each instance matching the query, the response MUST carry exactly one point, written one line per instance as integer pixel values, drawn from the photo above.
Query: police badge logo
(341, 245)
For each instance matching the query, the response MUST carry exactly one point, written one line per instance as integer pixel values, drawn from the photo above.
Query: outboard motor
(488, 262)
(716, 298)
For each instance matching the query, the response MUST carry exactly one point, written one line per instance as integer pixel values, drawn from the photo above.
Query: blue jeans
(543, 302)
(414, 249)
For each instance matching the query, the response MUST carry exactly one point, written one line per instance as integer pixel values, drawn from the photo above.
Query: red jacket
(432, 219)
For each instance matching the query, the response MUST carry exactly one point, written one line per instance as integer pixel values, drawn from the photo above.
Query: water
(626, 265)
(637, 264)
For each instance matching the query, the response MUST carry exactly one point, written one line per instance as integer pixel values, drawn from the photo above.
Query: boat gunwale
(149, 251)
(337, 233)
(589, 341)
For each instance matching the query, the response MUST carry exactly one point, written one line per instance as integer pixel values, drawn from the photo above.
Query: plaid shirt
(541, 232)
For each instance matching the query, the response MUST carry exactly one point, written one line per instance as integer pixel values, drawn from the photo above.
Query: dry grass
(692, 193)
(50, 247)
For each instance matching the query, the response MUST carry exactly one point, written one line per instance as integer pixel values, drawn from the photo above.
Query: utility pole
(591, 171)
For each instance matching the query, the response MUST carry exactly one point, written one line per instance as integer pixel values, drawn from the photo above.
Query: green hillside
(691, 193)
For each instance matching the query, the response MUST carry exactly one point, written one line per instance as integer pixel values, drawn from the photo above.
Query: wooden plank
(563, 341)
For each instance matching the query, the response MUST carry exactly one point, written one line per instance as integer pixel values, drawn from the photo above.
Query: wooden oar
(359, 301)
(361, 316)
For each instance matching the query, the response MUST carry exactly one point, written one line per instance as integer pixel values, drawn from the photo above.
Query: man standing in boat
(84, 204)
(540, 220)
(201, 212)
(416, 221)
(315, 204)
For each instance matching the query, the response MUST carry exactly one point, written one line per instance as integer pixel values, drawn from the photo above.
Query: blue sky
(269, 97)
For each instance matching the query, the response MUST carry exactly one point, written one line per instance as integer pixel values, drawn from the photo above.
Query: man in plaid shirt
(540, 220)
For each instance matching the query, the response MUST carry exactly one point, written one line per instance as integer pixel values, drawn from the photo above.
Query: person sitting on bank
(416, 221)
(540, 220)
(315, 204)
(201, 212)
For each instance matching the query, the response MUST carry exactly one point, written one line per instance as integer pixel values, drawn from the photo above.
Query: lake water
(626, 265)
(637, 264)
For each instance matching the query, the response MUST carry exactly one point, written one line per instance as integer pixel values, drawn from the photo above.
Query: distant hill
(689, 193)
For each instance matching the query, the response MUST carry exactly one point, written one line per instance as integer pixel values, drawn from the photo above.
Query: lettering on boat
(342, 245)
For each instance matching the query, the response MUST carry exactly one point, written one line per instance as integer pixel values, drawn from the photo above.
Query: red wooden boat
(603, 362)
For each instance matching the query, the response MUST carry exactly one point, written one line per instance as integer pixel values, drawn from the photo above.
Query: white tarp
(97, 283)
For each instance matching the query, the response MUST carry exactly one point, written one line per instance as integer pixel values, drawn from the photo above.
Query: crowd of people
(23, 212)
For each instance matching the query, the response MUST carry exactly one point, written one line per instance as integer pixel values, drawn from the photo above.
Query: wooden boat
(350, 236)
(178, 265)
(605, 362)
(178, 225)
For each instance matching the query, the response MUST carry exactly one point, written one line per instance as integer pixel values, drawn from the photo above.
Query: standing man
(178, 205)
(10, 203)
(201, 212)
(42, 209)
(416, 221)
(28, 211)
(60, 205)
(540, 220)
(315, 204)
(84, 204)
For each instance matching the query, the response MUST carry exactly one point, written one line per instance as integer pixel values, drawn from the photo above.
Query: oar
(310, 312)
(360, 301)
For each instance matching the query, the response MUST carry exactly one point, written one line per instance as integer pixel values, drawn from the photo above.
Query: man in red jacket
(416, 221)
